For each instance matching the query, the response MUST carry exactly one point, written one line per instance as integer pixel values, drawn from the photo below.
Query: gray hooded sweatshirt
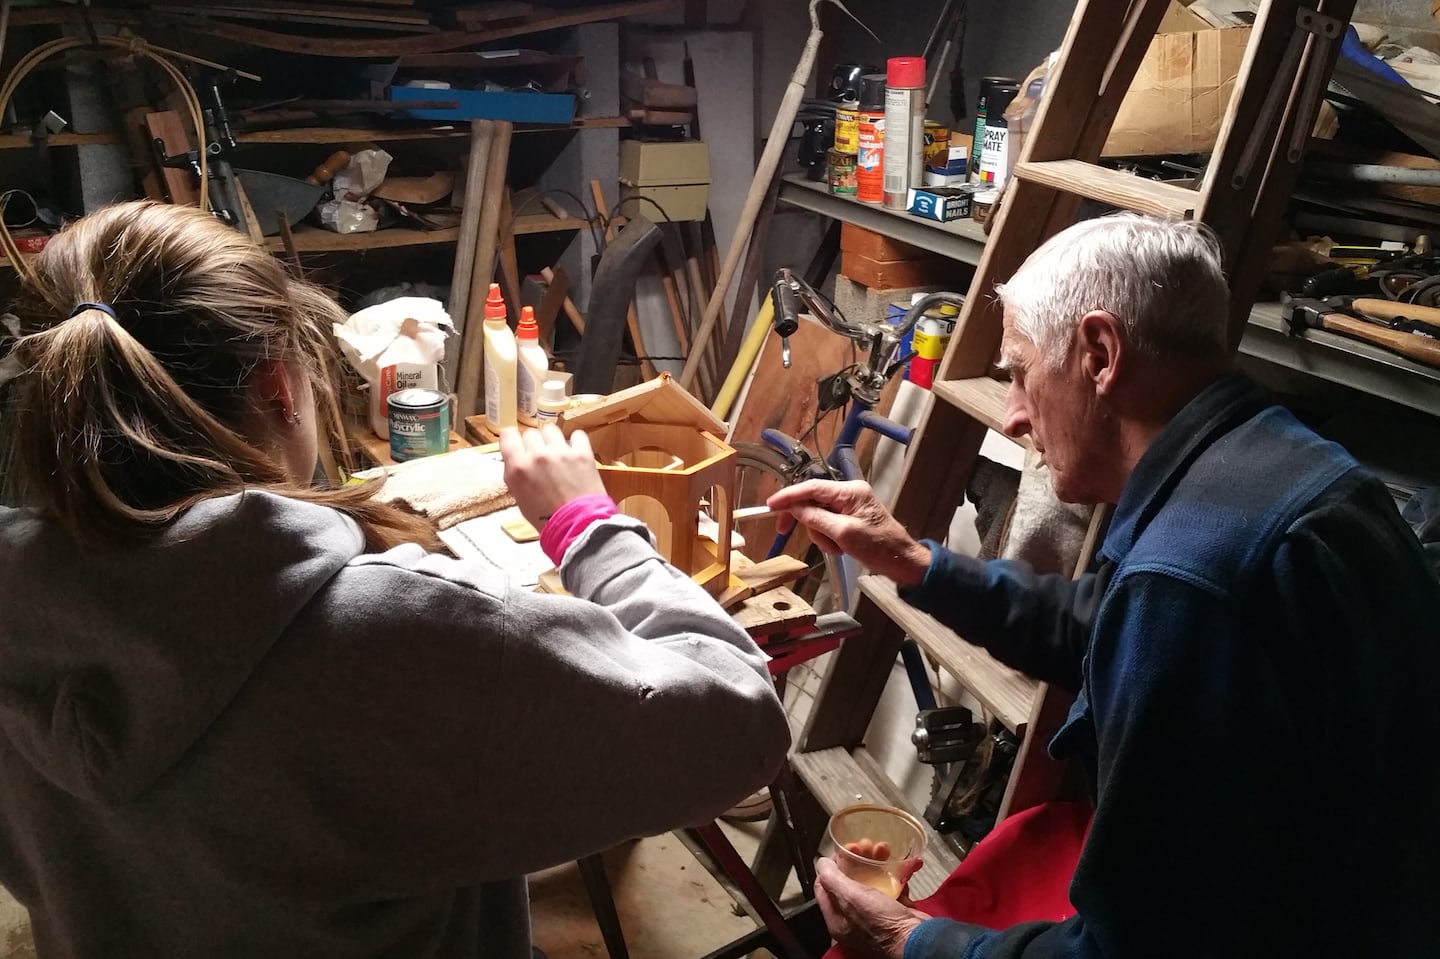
(253, 739)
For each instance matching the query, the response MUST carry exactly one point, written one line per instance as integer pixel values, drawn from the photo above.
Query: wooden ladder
(1241, 197)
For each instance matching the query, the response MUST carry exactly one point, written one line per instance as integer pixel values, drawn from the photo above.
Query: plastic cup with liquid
(874, 843)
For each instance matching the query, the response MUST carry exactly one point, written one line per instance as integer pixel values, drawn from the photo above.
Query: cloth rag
(449, 488)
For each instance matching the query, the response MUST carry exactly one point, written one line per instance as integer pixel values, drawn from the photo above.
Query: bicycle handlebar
(793, 296)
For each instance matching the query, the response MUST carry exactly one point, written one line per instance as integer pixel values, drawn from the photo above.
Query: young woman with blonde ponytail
(241, 715)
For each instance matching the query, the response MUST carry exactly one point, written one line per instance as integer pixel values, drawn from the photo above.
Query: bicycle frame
(840, 463)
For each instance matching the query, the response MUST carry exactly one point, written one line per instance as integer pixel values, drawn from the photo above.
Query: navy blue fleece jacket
(1256, 655)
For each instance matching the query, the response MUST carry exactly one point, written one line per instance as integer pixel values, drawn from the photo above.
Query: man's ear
(272, 391)
(1100, 343)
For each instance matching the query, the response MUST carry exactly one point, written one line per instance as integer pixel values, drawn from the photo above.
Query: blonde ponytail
(126, 409)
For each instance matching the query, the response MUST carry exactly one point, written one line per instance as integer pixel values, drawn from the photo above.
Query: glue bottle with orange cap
(500, 363)
(532, 367)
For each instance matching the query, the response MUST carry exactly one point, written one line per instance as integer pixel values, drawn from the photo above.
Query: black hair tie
(102, 307)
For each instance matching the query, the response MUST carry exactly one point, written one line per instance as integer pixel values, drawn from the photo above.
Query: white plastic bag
(395, 345)
(362, 175)
(348, 216)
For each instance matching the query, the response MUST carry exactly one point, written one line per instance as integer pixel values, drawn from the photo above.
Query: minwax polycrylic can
(419, 424)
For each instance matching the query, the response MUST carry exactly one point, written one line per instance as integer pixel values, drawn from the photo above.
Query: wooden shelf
(547, 223)
(961, 240)
(323, 134)
(21, 141)
(312, 239)
(1327, 356)
(1339, 359)
(1006, 693)
(838, 778)
(300, 135)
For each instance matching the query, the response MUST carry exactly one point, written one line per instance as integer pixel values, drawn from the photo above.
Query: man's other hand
(849, 518)
(868, 923)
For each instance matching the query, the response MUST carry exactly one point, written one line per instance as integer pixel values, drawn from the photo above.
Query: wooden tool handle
(326, 171)
(1421, 349)
(1391, 309)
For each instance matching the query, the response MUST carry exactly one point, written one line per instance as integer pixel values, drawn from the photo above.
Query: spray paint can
(904, 159)
(869, 162)
(932, 336)
(995, 151)
(982, 108)
(419, 424)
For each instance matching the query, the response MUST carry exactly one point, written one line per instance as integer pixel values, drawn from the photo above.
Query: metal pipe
(1370, 173)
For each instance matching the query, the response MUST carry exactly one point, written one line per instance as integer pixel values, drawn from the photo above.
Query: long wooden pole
(482, 133)
(472, 349)
(766, 171)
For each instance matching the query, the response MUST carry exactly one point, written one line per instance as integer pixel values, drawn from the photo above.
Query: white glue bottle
(500, 362)
(533, 366)
(552, 402)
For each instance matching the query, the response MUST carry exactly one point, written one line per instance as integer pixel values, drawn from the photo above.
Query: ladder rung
(1124, 190)
(981, 397)
(837, 778)
(1007, 693)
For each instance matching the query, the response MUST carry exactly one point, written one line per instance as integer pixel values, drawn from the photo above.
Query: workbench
(782, 624)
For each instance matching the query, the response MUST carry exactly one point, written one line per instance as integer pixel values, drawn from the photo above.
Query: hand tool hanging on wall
(768, 168)
(215, 177)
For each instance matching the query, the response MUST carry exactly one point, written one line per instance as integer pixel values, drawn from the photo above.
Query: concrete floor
(669, 905)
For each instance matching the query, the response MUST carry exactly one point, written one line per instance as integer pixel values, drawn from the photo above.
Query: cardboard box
(1180, 19)
(941, 203)
(1180, 95)
(673, 174)
(877, 246)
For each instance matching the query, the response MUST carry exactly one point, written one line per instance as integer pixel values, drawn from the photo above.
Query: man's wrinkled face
(1056, 408)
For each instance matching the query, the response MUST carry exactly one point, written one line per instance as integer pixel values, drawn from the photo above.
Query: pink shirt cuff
(569, 521)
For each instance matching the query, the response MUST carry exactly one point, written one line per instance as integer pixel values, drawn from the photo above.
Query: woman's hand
(849, 518)
(866, 922)
(545, 471)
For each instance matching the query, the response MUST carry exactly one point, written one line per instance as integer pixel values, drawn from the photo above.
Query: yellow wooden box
(663, 459)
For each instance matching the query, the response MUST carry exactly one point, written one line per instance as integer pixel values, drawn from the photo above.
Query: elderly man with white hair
(1255, 651)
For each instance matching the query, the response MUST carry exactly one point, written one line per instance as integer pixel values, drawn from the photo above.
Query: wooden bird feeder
(664, 461)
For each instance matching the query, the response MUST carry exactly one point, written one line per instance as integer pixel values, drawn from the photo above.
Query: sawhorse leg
(714, 842)
(597, 887)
